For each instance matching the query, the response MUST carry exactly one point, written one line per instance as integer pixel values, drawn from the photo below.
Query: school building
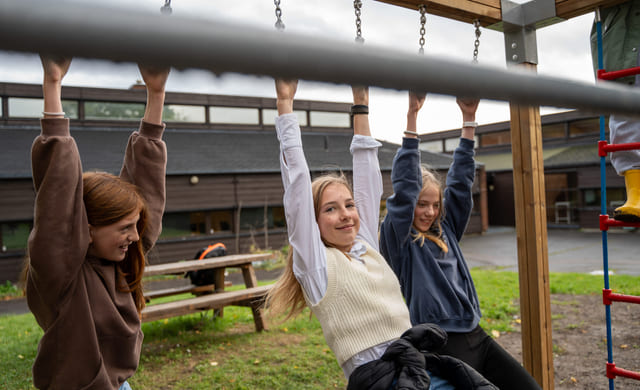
(571, 169)
(223, 172)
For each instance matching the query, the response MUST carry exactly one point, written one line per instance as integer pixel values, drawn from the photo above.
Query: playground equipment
(39, 26)
(608, 296)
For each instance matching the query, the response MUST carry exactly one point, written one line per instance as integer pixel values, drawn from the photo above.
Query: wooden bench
(187, 288)
(252, 296)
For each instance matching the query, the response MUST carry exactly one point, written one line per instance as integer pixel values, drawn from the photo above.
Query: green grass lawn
(200, 352)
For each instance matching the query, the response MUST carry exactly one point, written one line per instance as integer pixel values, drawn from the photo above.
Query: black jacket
(405, 363)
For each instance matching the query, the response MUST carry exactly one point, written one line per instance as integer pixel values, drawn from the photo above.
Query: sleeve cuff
(151, 130)
(288, 130)
(410, 143)
(360, 141)
(466, 143)
(55, 127)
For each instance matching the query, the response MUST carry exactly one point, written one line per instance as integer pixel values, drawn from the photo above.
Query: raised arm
(54, 69)
(146, 154)
(285, 92)
(309, 257)
(406, 178)
(468, 107)
(458, 200)
(367, 180)
(416, 101)
(361, 121)
(60, 236)
(155, 79)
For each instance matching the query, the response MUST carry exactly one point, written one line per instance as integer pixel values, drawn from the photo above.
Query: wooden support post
(531, 228)
(250, 281)
(218, 280)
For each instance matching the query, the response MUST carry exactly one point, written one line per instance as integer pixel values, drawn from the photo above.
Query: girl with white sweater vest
(334, 265)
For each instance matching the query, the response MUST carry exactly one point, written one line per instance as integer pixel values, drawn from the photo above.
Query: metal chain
(476, 43)
(166, 8)
(279, 24)
(357, 5)
(423, 21)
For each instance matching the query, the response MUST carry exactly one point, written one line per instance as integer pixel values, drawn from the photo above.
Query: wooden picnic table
(251, 296)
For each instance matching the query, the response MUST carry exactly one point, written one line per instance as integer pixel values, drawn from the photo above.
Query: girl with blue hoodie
(419, 238)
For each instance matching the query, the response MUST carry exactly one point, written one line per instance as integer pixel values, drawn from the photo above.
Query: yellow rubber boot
(630, 211)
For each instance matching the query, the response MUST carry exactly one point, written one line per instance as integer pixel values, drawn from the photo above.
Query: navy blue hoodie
(437, 286)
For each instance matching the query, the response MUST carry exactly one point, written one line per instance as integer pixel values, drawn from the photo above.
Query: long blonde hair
(286, 296)
(431, 178)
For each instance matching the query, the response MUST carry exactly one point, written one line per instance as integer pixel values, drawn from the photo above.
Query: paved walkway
(569, 251)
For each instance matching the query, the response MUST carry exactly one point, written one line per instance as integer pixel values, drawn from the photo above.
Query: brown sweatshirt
(92, 336)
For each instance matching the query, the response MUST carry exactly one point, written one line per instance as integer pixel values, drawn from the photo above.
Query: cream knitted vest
(363, 305)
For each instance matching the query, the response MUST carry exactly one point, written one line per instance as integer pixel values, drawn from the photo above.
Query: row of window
(14, 235)
(32, 108)
(572, 129)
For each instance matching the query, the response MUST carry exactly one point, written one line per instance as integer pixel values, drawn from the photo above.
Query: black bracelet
(359, 109)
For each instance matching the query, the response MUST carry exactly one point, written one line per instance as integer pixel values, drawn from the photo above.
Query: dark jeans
(481, 352)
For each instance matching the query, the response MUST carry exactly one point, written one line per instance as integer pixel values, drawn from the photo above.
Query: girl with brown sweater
(87, 247)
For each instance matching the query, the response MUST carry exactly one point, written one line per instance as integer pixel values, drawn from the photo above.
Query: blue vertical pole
(603, 208)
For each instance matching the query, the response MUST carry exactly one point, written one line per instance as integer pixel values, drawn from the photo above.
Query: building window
(431, 146)
(497, 138)
(330, 119)
(555, 130)
(14, 235)
(32, 108)
(269, 116)
(176, 225)
(113, 111)
(221, 220)
(254, 218)
(209, 222)
(234, 115)
(183, 113)
(450, 144)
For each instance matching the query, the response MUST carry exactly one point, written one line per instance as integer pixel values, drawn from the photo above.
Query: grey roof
(575, 155)
(197, 151)
(554, 157)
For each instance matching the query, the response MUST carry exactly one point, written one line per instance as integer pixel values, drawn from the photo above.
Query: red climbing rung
(604, 147)
(613, 371)
(605, 222)
(616, 74)
(609, 297)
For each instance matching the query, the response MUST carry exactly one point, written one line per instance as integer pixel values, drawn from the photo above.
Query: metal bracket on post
(519, 24)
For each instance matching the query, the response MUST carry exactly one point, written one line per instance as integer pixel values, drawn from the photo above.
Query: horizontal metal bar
(82, 30)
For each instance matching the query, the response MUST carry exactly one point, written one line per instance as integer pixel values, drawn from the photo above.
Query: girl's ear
(90, 234)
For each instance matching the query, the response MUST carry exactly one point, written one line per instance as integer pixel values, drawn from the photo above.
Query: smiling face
(427, 209)
(338, 218)
(111, 242)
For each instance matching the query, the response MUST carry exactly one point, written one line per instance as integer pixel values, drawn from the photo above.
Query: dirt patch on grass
(580, 342)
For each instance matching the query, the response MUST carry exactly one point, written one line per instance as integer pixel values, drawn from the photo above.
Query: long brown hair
(286, 295)
(108, 199)
(431, 178)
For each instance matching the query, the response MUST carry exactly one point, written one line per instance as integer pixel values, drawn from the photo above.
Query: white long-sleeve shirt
(309, 256)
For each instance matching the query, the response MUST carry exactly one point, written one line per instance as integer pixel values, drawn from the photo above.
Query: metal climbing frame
(608, 297)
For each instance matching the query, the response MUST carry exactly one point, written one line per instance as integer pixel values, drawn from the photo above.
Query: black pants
(481, 352)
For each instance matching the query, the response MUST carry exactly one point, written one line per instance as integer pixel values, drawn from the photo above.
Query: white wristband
(61, 113)
(412, 133)
(470, 124)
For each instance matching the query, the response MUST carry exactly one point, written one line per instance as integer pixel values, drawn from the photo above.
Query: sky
(563, 51)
